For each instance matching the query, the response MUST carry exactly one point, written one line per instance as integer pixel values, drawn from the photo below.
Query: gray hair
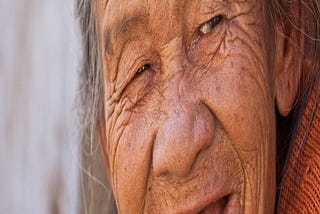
(93, 179)
(96, 194)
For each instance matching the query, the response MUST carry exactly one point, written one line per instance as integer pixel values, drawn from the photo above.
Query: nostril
(185, 134)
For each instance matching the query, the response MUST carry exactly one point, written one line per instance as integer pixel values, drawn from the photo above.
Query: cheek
(240, 99)
(239, 94)
(130, 162)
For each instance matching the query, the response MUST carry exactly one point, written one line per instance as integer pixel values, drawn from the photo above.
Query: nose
(187, 130)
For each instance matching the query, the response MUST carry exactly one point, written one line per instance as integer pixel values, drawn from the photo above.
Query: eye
(208, 26)
(143, 68)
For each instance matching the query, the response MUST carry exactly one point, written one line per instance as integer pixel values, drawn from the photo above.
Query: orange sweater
(300, 188)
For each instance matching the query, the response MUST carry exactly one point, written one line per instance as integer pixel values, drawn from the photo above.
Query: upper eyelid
(125, 84)
(131, 71)
(197, 31)
(206, 11)
(142, 68)
(214, 7)
(217, 20)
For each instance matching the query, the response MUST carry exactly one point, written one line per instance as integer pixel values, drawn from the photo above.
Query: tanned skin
(190, 90)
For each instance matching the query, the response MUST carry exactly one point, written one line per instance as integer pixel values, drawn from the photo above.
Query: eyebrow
(122, 28)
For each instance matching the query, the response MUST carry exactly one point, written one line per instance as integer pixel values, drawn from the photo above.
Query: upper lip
(203, 202)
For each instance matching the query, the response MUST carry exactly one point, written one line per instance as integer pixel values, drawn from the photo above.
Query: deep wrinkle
(183, 143)
(269, 48)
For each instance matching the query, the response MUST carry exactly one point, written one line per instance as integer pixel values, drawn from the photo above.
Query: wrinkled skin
(190, 116)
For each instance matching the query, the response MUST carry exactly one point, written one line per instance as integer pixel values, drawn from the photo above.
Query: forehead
(117, 17)
(114, 10)
(165, 19)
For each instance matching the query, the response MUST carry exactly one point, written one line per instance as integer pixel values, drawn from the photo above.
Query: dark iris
(208, 26)
(143, 68)
(213, 22)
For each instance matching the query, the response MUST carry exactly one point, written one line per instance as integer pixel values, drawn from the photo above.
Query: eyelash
(207, 27)
(143, 68)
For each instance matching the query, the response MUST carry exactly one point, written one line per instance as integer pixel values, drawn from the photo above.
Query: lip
(218, 206)
(221, 202)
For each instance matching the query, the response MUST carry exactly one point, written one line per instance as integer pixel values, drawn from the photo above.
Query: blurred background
(39, 62)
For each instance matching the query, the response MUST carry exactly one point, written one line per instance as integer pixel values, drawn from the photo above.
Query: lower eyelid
(140, 81)
(198, 34)
(139, 89)
(209, 43)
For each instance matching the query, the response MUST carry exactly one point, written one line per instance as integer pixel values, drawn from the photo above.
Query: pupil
(208, 26)
(213, 22)
(143, 68)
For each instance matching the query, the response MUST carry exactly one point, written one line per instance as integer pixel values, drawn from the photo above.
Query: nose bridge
(187, 127)
(187, 130)
(175, 70)
(173, 57)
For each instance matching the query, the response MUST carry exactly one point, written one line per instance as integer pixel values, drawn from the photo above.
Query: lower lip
(224, 205)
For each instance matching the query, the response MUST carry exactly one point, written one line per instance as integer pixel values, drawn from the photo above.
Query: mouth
(225, 204)
(217, 207)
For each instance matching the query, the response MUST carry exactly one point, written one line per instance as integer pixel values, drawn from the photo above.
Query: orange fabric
(300, 189)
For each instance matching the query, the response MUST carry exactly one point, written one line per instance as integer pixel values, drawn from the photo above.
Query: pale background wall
(39, 57)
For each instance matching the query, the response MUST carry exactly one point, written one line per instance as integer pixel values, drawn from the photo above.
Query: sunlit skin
(190, 90)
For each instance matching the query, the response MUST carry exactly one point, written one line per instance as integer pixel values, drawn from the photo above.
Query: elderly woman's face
(189, 101)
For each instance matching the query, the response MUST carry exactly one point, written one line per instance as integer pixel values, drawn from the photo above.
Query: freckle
(242, 70)
(236, 116)
(218, 89)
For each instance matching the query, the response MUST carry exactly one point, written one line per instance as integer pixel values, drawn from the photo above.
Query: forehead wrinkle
(121, 28)
(129, 24)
